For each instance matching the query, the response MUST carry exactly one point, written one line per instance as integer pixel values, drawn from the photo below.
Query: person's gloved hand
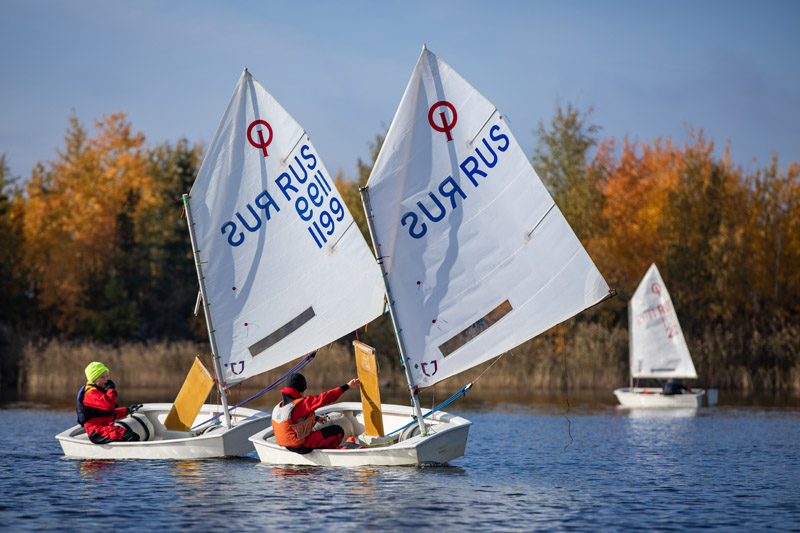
(133, 408)
(110, 385)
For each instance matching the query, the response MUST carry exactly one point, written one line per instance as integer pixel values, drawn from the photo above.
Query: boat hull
(215, 441)
(446, 441)
(652, 397)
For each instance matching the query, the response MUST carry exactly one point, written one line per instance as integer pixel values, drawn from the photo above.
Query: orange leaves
(72, 211)
(772, 236)
(636, 192)
(729, 245)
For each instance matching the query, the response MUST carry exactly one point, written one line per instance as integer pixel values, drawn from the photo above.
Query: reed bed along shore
(582, 356)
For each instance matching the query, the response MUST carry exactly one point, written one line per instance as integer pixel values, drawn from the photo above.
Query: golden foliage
(727, 245)
(72, 210)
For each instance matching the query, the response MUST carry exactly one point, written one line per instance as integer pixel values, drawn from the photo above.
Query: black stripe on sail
(282, 332)
(475, 329)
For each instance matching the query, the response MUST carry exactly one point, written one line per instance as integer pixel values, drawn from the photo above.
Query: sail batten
(478, 256)
(285, 272)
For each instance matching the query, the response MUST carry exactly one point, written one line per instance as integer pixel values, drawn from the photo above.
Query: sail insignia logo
(445, 126)
(656, 288)
(261, 144)
(233, 366)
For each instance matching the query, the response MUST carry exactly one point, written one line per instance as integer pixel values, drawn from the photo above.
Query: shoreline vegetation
(589, 355)
(96, 264)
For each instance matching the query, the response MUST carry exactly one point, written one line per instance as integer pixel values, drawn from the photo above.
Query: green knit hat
(93, 371)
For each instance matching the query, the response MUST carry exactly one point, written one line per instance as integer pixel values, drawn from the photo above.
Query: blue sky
(648, 68)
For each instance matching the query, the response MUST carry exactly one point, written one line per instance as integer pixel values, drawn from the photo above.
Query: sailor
(97, 407)
(673, 386)
(293, 419)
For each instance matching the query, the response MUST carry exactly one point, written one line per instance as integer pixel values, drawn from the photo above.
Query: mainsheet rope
(442, 405)
(307, 359)
(452, 398)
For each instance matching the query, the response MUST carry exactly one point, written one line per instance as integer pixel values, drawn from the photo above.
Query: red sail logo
(445, 126)
(261, 144)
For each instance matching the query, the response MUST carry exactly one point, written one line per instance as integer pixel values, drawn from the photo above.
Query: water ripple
(729, 468)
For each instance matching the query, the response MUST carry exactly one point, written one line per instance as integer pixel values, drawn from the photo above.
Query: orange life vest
(286, 433)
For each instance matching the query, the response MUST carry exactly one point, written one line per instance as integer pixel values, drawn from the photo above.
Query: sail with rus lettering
(658, 351)
(478, 256)
(286, 268)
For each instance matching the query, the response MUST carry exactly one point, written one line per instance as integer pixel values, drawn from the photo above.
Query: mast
(630, 341)
(209, 324)
(412, 389)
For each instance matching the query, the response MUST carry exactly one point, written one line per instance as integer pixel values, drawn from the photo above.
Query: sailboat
(475, 255)
(282, 270)
(658, 349)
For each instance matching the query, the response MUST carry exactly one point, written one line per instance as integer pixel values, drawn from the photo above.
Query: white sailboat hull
(446, 441)
(216, 441)
(654, 397)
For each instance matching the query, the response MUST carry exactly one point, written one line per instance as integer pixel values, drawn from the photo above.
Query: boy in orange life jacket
(293, 419)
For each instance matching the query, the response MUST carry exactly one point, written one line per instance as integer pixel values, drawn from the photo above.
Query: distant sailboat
(658, 349)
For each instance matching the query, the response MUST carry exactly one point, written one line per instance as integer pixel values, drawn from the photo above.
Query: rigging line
(490, 366)
(454, 397)
(307, 359)
(566, 397)
(442, 405)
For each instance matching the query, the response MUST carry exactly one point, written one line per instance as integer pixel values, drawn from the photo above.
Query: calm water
(527, 467)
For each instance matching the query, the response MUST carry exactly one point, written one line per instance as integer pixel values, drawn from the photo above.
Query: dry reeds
(58, 365)
(581, 356)
(749, 360)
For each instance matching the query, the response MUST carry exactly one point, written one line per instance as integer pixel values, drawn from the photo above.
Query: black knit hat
(296, 381)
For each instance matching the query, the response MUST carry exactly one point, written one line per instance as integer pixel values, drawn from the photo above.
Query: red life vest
(289, 434)
(85, 412)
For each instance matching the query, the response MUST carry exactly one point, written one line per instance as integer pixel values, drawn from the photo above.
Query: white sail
(286, 268)
(658, 347)
(479, 257)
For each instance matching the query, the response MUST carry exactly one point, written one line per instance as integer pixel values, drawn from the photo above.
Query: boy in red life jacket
(97, 407)
(293, 419)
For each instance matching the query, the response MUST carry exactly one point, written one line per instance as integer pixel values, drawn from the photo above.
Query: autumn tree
(81, 213)
(719, 239)
(349, 188)
(701, 234)
(172, 287)
(772, 239)
(14, 305)
(561, 160)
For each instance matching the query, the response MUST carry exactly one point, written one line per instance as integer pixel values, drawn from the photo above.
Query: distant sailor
(293, 419)
(674, 387)
(97, 407)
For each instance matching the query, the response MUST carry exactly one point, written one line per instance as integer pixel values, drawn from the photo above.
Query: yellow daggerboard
(370, 395)
(193, 393)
